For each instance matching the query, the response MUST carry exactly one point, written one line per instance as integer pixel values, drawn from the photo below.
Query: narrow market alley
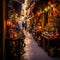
(30, 30)
(33, 51)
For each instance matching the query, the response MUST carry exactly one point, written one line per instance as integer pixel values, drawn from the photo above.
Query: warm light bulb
(49, 2)
(8, 23)
(52, 5)
(38, 13)
(46, 9)
(54, 9)
(39, 27)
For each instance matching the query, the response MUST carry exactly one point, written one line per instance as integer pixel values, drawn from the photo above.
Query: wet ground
(33, 51)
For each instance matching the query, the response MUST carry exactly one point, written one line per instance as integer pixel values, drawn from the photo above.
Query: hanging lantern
(8, 22)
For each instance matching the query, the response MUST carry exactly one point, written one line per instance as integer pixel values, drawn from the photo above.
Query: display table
(50, 44)
(13, 47)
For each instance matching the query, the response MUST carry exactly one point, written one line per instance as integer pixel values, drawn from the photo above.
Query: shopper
(24, 25)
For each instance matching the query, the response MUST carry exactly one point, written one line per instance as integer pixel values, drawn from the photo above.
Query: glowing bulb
(54, 9)
(39, 26)
(52, 5)
(46, 9)
(42, 11)
(38, 13)
(49, 2)
(8, 23)
(15, 34)
(13, 26)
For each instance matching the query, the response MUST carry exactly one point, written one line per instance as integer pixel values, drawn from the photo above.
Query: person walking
(24, 25)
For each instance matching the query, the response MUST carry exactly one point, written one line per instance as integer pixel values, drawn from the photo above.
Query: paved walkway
(33, 51)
